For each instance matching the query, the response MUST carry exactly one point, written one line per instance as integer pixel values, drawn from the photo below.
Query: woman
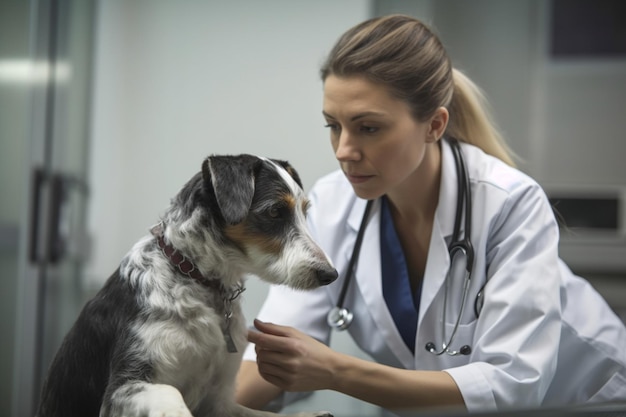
(538, 336)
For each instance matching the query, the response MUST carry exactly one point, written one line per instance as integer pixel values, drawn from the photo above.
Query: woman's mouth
(358, 178)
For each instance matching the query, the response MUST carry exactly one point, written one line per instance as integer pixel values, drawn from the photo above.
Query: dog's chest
(187, 345)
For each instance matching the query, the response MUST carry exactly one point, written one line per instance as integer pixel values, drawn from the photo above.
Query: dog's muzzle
(326, 276)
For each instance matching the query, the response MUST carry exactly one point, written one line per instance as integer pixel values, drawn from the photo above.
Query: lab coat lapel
(369, 279)
(438, 261)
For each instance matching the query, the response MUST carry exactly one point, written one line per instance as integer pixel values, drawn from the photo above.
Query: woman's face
(378, 144)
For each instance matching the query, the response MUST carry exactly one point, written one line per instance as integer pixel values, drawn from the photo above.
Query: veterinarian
(456, 290)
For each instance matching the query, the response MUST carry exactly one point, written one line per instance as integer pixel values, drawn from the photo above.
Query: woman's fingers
(273, 337)
(271, 328)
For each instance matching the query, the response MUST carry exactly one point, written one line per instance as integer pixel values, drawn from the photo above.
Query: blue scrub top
(402, 303)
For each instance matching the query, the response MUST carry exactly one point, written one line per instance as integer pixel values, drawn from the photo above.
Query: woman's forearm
(394, 388)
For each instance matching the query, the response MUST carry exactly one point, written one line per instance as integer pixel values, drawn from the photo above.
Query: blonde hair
(403, 54)
(471, 121)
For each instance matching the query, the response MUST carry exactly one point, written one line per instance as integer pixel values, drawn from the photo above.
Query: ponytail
(471, 121)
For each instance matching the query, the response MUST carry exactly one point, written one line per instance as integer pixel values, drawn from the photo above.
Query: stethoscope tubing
(464, 200)
(355, 253)
(458, 245)
(340, 317)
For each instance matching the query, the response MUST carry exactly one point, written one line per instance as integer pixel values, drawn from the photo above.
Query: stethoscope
(460, 250)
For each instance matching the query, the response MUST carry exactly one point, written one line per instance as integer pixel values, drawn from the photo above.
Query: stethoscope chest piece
(339, 318)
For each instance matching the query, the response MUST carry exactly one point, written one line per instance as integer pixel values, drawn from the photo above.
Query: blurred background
(108, 107)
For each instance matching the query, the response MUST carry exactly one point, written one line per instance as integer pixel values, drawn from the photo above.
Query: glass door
(45, 70)
(14, 122)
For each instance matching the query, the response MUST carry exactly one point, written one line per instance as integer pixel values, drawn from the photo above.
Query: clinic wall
(176, 81)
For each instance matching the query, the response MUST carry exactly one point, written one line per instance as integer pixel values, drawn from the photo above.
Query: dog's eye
(275, 212)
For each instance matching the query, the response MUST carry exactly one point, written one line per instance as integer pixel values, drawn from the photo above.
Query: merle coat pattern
(154, 340)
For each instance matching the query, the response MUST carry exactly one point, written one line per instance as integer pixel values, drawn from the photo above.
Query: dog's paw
(165, 401)
(144, 399)
(181, 411)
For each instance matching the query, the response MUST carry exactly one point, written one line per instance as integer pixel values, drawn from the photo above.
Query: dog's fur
(152, 341)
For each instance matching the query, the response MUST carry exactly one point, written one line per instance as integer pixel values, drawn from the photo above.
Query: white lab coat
(543, 337)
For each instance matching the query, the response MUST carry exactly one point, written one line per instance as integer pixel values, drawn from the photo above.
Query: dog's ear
(232, 180)
(290, 170)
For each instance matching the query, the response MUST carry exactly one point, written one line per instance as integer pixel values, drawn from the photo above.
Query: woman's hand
(290, 359)
(294, 361)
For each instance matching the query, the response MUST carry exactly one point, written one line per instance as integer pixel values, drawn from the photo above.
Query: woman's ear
(437, 124)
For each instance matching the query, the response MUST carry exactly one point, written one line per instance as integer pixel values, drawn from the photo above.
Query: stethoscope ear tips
(430, 347)
(339, 318)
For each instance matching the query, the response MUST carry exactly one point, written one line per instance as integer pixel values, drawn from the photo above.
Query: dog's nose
(326, 276)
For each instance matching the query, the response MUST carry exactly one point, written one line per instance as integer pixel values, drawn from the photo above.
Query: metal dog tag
(230, 344)
(228, 298)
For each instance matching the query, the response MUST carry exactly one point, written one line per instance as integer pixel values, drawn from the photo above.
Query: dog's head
(258, 209)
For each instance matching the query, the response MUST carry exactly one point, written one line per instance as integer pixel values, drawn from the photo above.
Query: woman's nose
(346, 149)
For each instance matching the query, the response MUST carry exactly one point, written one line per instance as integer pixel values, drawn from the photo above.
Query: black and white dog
(165, 335)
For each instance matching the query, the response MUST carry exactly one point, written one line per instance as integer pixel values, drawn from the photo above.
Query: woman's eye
(332, 126)
(369, 129)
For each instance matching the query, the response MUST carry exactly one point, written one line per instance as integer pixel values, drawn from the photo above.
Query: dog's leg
(145, 399)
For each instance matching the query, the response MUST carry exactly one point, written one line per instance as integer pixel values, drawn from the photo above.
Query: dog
(165, 334)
